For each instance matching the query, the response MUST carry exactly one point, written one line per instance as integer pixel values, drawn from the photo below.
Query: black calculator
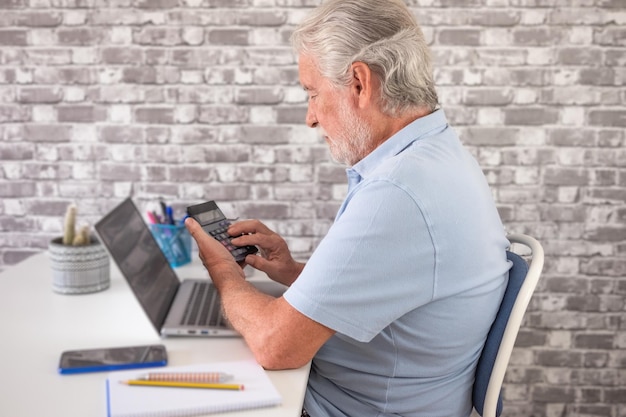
(216, 224)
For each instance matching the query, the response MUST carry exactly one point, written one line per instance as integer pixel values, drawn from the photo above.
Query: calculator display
(209, 216)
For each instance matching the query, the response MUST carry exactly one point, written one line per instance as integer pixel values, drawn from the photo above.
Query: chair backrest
(494, 359)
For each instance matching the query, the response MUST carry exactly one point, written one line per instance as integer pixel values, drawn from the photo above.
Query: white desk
(38, 324)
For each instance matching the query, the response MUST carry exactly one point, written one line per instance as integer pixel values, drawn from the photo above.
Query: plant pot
(79, 269)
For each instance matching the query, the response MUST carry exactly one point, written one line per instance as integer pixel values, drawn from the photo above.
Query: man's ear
(362, 83)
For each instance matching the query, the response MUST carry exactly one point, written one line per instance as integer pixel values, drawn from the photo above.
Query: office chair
(494, 359)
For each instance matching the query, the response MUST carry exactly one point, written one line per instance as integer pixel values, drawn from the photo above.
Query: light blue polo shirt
(410, 276)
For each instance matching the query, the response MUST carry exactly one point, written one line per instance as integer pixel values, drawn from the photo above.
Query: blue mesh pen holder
(174, 241)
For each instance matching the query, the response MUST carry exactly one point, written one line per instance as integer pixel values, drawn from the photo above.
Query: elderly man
(394, 305)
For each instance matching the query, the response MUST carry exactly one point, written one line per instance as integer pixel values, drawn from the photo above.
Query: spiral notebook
(140, 401)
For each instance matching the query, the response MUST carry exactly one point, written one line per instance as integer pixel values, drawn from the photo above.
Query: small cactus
(82, 237)
(70, 236)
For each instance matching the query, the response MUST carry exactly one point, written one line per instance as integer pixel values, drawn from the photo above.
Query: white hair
(380, 33)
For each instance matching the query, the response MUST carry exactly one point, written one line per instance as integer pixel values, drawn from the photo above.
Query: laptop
(191, 307)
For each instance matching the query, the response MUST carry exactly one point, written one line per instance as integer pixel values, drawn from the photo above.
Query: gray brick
(150, 56)
(228, 37)
(611, 36)
(539, 36)
(40, 19)
(117, 94)
(597, 76)
(49, 56)
(290, 115)
(139, 75)
(47, 133)
(594, 341)
(572, 137)
(16, 151)
(40, 94)
(530, 116)
(11, 114)
(495, 17)
(156, 4)
(264, 18)
(527, 338)
(615, 57)
(614, 118)
(563, 213)
(122, 55)
(66, 76)
(607, 234)
(195, 134)
(81, 114)
(44, 171)
(264, 134)
(265, 211)
(490, 136)
(80, 36)
(17, 189)
(549, 394)
(81, 152)
(595, 359)
(604, 267)
(566, 176)
(259, 96)
(17, 4)
(488, 97)
(223, 192)
(190, 173)
(607, 195)
(121, 134)
(224, 114)
(154, 115)
(158, 36)
(190, 58)
(119, 172)
(272, 174)
(459, 37)
(579, 56)
(14, 37)
(201, 17)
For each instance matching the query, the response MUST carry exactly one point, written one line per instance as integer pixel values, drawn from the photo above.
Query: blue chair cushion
(517, 274)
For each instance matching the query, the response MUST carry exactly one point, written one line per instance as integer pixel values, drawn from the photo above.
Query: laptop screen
(139, 258)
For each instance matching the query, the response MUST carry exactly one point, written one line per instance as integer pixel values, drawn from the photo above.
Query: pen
(170, 215)
(211, 377)
(175, 384)
(164, 211)
(152, 217)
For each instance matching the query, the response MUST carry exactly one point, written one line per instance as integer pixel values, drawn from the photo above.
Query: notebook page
(141, 401)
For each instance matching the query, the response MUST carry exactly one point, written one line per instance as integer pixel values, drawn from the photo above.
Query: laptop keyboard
(204, 307)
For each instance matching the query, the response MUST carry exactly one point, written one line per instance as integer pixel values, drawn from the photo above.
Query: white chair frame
(514, 323)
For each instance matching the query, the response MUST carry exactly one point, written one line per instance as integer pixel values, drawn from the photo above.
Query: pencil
(174, 384)
(205, 377)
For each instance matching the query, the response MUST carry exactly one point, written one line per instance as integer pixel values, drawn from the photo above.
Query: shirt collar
(416, 130)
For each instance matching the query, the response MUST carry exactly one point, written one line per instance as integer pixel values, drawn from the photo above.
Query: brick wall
(195, 99)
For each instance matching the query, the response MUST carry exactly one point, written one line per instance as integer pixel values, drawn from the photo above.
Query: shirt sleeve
(376, 263)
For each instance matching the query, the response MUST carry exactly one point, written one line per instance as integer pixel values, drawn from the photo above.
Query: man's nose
(311, 119)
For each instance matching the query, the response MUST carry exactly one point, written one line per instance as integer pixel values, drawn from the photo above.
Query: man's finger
(194, 229)
(247, 227)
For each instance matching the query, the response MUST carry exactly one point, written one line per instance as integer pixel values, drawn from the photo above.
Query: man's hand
(213, 254)
(275, 259)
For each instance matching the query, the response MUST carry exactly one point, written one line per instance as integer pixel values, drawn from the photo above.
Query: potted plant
(78, 260)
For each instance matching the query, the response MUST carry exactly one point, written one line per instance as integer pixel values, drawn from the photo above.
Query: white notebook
(141, 401)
